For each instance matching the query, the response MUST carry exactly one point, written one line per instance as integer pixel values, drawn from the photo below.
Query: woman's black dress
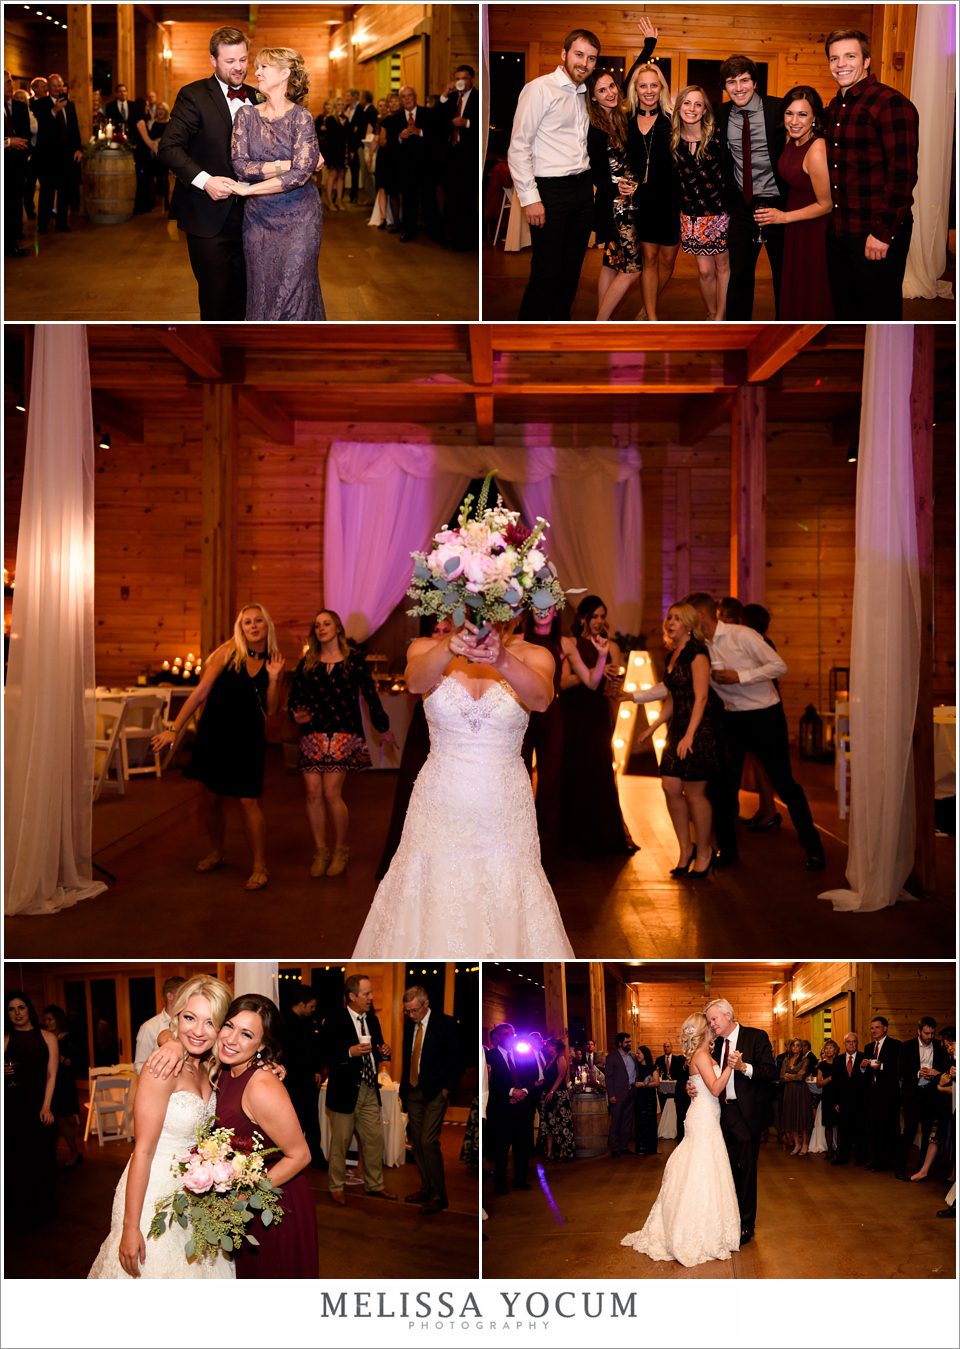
(706, 758)
(829, 1099)
(592, 824)
(29, 1146)
(66, 1101)
(656, 200)
(645, 1114)
(230, 748)
(545, 738)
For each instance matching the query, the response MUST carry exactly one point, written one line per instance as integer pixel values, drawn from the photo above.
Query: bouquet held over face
(488, 570)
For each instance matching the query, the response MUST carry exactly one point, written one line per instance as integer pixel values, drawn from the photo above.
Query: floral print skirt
(556, 1122)
(333, 753)
(704, 234)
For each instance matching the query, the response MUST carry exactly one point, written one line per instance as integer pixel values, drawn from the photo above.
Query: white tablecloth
(945, 752)
(518, 231)
(667, 1128)
(399, 708)
(394, 1125)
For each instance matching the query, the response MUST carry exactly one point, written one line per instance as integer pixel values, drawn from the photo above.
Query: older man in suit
(922, 1060)
(620, 1076)
(881, 1070)
(16, 150)
(58, 155)
(432, 1066)
(849, 1086)
(413, 133)
(356, 1049)
(459, 111)
(196, 148)
(745, 1104)
(751, 137)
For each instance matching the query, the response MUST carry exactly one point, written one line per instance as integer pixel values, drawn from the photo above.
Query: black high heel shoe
(685, 868)
(766, 826)
(701, 875)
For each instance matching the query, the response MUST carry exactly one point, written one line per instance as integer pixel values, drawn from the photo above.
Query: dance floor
(505, 277)
(367, 1239)
(139, 272)
(613, 908)
(814, 1221)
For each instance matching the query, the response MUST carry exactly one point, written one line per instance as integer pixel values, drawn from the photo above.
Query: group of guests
(650, 175)
(415, 163)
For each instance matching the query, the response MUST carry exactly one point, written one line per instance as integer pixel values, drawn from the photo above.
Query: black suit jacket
(197, 139)
(440, 1059)
(909, 1070)
(56, 142)
(501, 1083)
(17, 122)
(676, 1061)
(849, 1091)
(753, 1093)
(343, 1084)
(883, 1083)
(112, 112)
(469, 135)
(414, 153)
(776, 140)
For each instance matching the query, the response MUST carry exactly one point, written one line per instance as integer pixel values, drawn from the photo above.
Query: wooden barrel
(591, 1123)
(110, 186)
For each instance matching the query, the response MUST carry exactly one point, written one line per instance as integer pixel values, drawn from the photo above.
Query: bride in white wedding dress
(166, 1115)
(466, 879)
(695, 1217)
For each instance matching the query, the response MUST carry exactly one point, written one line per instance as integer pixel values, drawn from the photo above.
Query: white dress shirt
(147, 1038)
(734, 646)
(233, 105)
(731, 1087)
(549, 137)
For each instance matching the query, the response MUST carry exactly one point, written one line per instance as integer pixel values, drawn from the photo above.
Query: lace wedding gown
(695, 1217)
(165, 1258)
(466, 880)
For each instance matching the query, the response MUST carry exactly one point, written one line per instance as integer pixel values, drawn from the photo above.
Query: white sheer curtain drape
(384, 501)
(257, 976)
(49, 703)
(933, 91)
(885, 640)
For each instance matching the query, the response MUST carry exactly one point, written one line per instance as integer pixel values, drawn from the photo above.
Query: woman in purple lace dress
(275, 154)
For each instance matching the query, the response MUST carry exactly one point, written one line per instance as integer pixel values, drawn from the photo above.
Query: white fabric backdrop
(49, 705)
(933, 90)
(885, 640)
(257, 976)
(384, 501)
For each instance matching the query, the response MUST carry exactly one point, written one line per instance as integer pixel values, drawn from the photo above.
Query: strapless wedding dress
(695, 1217)
(466, 881)
(165, 1258)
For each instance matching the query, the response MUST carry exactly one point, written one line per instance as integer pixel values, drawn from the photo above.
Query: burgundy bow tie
(240, 93)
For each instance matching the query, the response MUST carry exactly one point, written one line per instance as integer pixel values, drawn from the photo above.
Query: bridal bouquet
(223, 1188)
(488, 569)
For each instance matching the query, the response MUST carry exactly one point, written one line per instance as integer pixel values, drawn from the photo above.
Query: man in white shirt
(743, 668)
(148, 1032)
(551, 173)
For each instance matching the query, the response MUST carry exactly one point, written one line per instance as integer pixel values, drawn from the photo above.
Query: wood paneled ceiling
(480, 376)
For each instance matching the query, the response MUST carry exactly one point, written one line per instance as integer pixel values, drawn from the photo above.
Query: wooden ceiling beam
(481, 366)
(705, 415)
(263, 414)
(196, 347)
(774, 346)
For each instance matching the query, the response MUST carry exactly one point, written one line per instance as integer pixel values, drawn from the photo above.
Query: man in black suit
(301, 1055)
(429, 1078)
(59, 152)
(459, 111)
(922, 1060)
(507, 1123)
(850, 1090)
(355, 128)
(666, 1065)
(120, 111)
(881, 1070)
(413, 131)
(620, 1077)
(16, 149)
(356, 1050)
(745, 1104)
(196, 148)
(751, 137)
(681, 1071)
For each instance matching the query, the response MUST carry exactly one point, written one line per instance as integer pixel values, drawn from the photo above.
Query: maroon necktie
(849, 1065)
(455, 138)
(240, 93)
(747, 158)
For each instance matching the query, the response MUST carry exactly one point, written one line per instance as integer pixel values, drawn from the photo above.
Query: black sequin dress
(707, 758)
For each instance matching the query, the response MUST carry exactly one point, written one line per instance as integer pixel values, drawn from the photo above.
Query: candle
(109, 131)
(166, 665)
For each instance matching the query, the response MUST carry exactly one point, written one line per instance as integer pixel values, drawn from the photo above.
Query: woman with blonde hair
(703, 221)
(324, 702)
(696, 1216)
(239, 689)
(694, 751)
(275, 154)
(656, 200)
(167, 1112)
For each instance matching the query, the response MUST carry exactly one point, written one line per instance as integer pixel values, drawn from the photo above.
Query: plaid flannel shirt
(872, 137)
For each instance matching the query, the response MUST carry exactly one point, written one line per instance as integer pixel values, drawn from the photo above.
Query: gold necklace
(645, 137)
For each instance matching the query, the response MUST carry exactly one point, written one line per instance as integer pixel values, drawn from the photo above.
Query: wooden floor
(139, 271)
(814, 1221)
(505, 277)
(764, 908)
(367, 1239)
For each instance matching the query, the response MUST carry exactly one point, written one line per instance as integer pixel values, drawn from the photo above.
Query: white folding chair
(505, 205)
(110, 1107)
(108, 757)
(144, 720)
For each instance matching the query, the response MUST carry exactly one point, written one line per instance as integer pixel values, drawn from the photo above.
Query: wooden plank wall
(148, 536)
(899, 991)
(451, 30)
(788, 37)
(663, 1007)
(501, 1001)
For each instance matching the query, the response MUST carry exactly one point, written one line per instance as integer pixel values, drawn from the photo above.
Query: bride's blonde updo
(285, 58)
(694, 1032)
